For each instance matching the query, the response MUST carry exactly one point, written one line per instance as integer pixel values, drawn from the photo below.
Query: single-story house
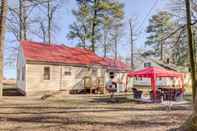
(42, 67)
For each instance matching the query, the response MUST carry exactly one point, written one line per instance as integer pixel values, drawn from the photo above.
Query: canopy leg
(182, 84)
(126, 84)
(153, 85)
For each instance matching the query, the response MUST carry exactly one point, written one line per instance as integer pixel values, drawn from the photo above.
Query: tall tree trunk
(93, 39)
(22, 17)
(4, 9)
(116, 47)
(84, 37)
(195, 49)
(105, 43)
(191, 122)
(24, 22)
(43, 31)
(49, 20)
(161, 50)
(131, 41)
(84, 43)
(191, 52)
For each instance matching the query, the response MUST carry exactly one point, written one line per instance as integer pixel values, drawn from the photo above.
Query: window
(89, 69)
(46, 73)
(147, 64)
(67, 71)
(94, 71)
(111, 75)
(138, 78)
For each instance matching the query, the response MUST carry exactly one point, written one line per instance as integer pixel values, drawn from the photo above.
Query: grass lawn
(87, 113)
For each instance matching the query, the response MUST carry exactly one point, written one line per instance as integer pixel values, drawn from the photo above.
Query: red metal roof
(150, 72)
(35, 51)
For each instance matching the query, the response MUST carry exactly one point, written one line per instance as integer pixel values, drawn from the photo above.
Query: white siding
(35, 78)
(60, 79)
(21, 83)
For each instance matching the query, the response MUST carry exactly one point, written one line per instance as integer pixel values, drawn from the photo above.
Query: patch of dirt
(87, 113)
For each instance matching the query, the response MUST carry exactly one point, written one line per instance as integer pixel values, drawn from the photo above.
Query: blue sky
(137, 9)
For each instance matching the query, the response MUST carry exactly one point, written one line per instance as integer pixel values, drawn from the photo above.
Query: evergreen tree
(94, 20)
(80, 29)
(159, 27)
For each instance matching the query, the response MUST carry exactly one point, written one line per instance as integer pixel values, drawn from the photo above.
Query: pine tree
(159, 26)
(94, 20)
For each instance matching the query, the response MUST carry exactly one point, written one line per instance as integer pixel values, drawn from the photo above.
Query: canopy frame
(155, 72)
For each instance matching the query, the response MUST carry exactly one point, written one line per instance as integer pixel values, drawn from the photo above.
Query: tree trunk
(105, 43)
(191, 123)
(84, 43)
(83, 39)
(44, 33)
(49, 21)
(24, 24)
(94, 26)
(191, 50)
(4, 9)
(22, 17)
(116, 47)
(131, 51)
(161, 50)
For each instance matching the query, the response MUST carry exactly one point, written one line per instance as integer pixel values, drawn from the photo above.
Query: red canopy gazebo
(155, 72)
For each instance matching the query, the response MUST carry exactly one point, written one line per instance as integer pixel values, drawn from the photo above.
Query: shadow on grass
(53, 115)
(81, 121)
(115, 100)
(86, 109)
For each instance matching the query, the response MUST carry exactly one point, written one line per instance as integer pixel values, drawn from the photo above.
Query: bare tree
(49, 9)
(22, 19)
